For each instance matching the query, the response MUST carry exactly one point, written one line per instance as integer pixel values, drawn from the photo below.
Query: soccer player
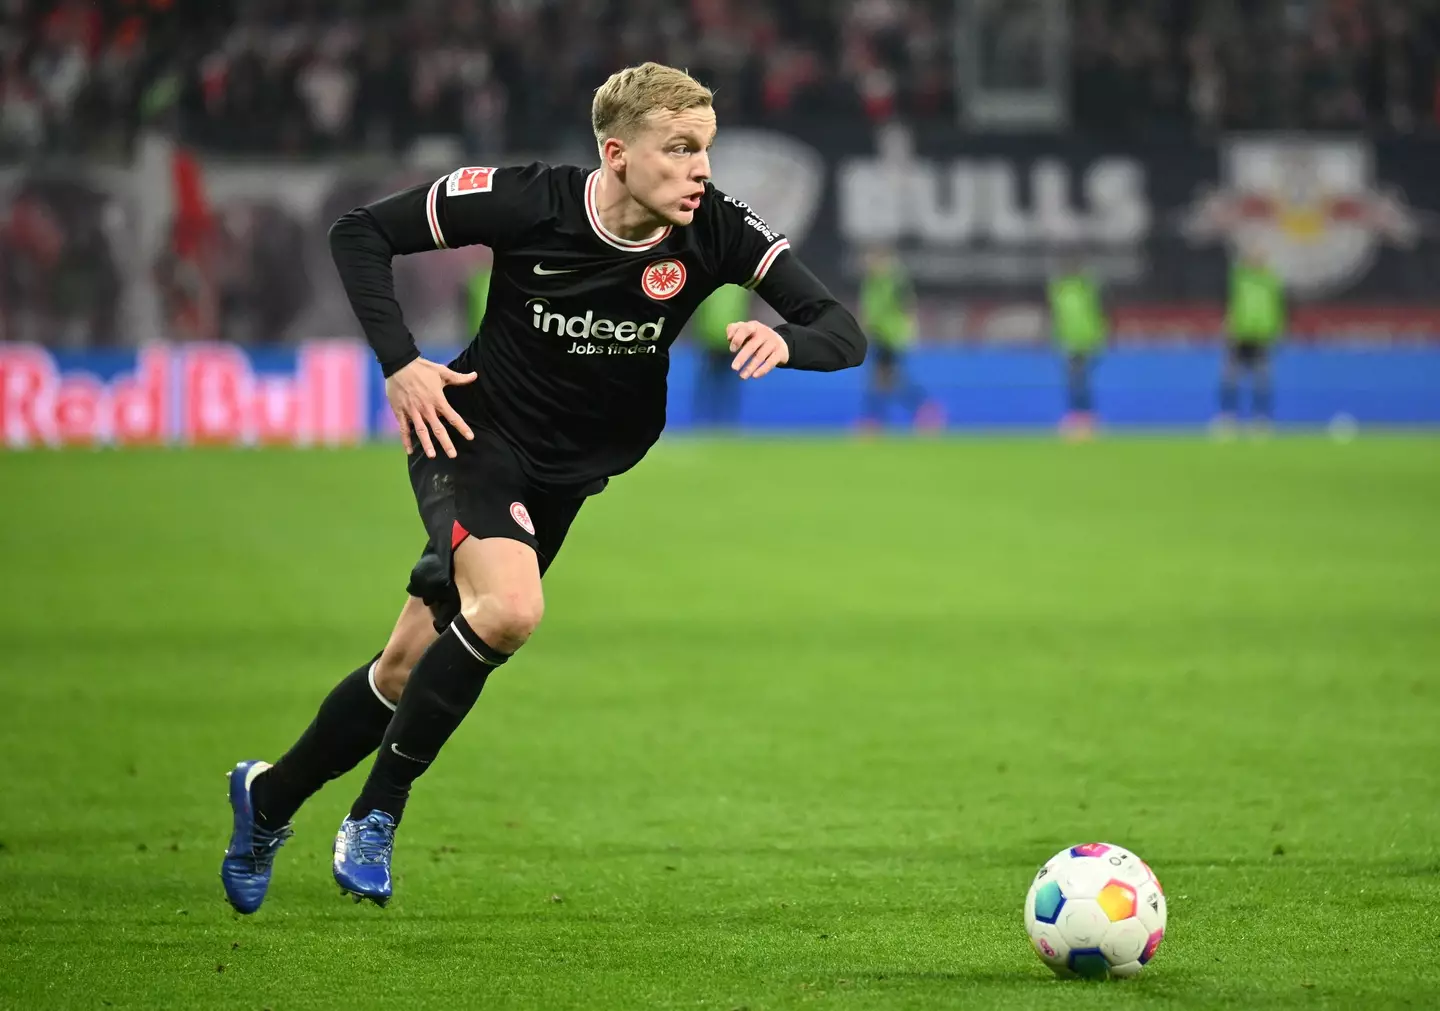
(717, 395)
(594, 274)
(887, 310)
(1254, 320)
(1078, 317)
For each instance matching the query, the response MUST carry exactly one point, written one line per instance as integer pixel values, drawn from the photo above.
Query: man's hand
(761, 349)
(417, 396)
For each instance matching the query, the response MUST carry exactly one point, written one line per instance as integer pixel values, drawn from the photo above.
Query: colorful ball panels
(1095, 910)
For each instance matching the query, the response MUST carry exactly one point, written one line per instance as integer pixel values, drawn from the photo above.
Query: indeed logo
(587, 326)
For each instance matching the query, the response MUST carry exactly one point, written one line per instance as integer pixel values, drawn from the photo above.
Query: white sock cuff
(371, 677)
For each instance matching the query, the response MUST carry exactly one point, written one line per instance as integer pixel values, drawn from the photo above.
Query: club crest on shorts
(521, 515)
(663, 279)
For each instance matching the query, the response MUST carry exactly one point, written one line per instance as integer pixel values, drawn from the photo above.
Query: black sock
(349, 726)
(442, 689)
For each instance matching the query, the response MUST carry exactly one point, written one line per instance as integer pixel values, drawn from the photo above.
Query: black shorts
(481, 493)
(1249, 353)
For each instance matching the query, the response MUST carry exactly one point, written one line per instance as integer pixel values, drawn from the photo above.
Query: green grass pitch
(801, 721)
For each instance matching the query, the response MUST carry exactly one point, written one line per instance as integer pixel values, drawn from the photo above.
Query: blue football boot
(362, 856)
(247, 864)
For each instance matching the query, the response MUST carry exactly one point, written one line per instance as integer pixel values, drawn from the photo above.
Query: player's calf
(411, 637)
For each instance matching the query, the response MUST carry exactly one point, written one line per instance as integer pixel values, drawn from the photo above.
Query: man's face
(668, 162)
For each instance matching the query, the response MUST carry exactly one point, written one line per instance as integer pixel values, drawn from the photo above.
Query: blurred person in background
(1077, 315)
(187, 269)
(717, 395)
(887, 315)
(59, 278)
(1254, 319)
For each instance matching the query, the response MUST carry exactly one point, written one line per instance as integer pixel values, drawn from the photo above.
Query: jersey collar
(604, 234)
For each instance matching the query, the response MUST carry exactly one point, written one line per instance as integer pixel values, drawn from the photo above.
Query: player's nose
(700, 169)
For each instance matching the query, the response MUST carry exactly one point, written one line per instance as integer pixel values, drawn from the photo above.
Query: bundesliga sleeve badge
(470, 180)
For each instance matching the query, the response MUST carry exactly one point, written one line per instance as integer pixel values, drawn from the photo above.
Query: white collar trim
(608, 237)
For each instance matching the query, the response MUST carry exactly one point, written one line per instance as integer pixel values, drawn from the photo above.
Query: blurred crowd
(1212, 65)
(317, 76)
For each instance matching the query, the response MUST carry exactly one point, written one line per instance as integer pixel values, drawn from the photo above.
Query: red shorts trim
(457, 534)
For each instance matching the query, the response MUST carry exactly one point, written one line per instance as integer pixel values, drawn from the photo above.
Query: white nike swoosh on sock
(396, 749)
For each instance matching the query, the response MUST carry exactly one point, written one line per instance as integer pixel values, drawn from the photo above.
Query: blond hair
(622, 103)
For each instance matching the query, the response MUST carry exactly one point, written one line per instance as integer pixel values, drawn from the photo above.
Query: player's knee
(392, 672)
(401, 654)
(505, 620)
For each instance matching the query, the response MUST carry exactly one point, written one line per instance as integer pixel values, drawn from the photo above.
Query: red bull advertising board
(211, 394)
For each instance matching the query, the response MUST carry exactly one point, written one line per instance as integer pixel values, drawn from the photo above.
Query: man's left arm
(819, 334)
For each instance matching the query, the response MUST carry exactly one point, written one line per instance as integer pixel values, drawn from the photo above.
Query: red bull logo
(198, 395)
(1310, 208)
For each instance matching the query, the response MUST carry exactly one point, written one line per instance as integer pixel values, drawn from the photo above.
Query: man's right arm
(470, 206)
(362, 252)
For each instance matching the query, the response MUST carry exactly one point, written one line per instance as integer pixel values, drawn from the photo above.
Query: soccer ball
(1095, 910)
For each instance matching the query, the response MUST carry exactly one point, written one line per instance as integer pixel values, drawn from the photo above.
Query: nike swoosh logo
(540, 269)
(405, 756)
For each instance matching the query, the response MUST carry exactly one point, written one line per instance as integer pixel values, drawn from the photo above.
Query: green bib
(1257, 304)
(1076, 313)
(727, 304)
(885, 309)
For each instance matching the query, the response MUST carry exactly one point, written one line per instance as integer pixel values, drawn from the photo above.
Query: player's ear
(612, 153)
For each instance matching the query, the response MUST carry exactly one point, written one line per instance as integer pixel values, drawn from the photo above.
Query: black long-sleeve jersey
(573, 352)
